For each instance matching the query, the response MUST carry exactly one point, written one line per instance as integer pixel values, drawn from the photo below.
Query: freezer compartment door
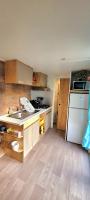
(78, 101)
(77, 122)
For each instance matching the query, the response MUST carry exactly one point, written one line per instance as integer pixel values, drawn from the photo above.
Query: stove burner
(37, 105)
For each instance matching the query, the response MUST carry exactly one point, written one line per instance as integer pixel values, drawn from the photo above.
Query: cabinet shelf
(8, 146)
(8, 138)
(79, 91)
(14, 154)
(12, 136)
(40, 88)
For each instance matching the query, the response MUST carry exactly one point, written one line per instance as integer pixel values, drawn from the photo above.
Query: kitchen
(21, 126)
(44, 100)
(24, 122)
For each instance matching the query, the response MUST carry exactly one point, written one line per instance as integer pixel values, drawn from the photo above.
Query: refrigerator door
(78, 101)
(77, 124)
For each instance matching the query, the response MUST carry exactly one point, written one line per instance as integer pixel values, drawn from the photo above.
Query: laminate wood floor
(53, 170)
(1, 152)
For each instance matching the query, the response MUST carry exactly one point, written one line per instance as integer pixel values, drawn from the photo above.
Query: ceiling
(53, 36)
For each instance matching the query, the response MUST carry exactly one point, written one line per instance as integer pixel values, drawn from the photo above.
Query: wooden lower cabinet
(8, 138)
(28, 138)
(31, 137)
(35, 133)
(13, 154)
(26, 135)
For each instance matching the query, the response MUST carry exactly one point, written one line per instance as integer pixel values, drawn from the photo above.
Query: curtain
(86, 138)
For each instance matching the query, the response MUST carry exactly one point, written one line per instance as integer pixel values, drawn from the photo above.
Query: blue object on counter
(2, 128)
(86, 138)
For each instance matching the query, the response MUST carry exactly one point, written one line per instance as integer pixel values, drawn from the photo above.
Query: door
(62, 104)
(77, 123)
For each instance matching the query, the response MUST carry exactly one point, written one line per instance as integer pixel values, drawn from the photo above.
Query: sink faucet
(10, 110)
(20, 108)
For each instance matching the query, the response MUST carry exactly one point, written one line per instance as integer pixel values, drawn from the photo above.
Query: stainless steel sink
(22, 114)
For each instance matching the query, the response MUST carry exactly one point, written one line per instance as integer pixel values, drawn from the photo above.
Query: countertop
(19, 122)
(77, 91)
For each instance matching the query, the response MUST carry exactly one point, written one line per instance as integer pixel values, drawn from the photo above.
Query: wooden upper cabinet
(18, 73)
(2, 72)
(80, 75)
(39, 79)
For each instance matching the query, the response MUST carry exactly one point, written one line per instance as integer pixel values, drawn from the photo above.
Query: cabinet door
(81, 75)
(43, 80)
(2, 78)
(28, 140)
(48, 121)
(35, 132)
(10, 68)
(62, 104)
(24, 74)
(36, 79)
(39, 79)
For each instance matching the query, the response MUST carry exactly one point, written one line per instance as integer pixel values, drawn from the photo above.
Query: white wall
(48, 95)
(44, 94)
(53, 82)
(51, 85)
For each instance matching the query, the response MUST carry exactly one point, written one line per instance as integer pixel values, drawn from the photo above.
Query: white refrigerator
(78, 117)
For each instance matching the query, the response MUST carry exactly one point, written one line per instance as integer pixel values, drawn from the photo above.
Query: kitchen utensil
(27, 105)
(15, 145)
